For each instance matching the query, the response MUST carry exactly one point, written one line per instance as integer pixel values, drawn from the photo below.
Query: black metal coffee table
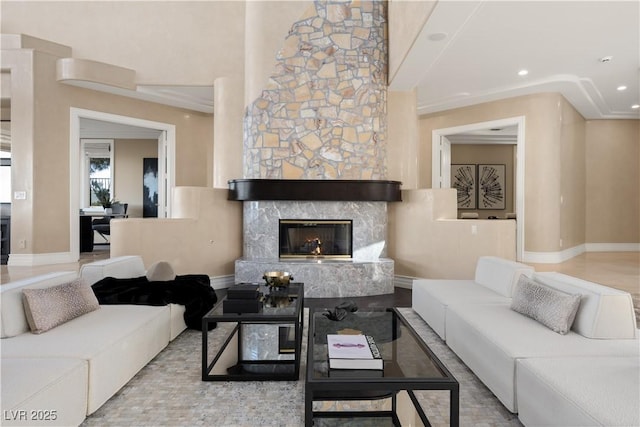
(261, 346)
(409, 364)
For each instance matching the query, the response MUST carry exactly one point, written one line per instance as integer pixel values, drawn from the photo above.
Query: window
(96, 178)
(99, 180)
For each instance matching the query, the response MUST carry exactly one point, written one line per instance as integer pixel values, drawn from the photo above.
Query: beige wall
(542, 162)
(613, 181)
(489, 154)
(426, 239)
(165, 42)
(565, 158)
(402, 139)
(42, 157)
(572, 184)
(227, 132)
(128, 171)
(204, 236)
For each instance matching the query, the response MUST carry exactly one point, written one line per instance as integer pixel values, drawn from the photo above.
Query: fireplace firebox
(320, 238)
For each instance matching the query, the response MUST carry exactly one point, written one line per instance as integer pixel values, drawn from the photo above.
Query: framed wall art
(463, 179)
(491, 187)
(150, 187)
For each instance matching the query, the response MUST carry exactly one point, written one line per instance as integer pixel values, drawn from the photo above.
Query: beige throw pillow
(49, 307)
(160, 271)
(553, 308)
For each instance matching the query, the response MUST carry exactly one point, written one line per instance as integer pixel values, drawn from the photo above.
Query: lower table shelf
(263, 346)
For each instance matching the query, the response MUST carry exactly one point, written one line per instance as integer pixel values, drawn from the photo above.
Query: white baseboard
(31, 260)
(613, 247)
(558, 257)
(552, 257)
(405, 282)
(222, 282)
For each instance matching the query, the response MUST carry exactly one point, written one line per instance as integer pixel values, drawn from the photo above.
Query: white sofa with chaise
(58, 377)
(507, 350)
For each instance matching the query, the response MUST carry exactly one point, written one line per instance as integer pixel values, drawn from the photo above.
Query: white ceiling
(560, 43)
(486, 43)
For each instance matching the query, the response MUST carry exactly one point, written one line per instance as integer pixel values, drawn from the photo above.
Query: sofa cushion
(431, 297)
(47, 308)
(13, 319)
(499, 274)
(160, 271)
(553, 308)
(579, 391)
(604, 313)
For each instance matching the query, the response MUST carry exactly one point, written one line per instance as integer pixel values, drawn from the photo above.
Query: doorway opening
(441, 163)
(163, 132)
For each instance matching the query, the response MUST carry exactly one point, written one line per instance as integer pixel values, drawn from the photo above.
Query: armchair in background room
(103, 225)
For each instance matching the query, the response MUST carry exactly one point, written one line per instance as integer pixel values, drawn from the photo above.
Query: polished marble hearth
(367, 272)
(326, 278)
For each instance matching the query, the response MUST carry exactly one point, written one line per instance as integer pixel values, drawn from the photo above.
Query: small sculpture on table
(277, 279)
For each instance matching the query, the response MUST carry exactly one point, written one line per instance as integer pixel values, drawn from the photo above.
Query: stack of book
(353, 352)
(242, 298)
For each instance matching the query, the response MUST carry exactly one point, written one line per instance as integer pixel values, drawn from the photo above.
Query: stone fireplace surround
(368, 273)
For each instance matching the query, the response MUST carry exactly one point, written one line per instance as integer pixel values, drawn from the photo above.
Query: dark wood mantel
(318, 190)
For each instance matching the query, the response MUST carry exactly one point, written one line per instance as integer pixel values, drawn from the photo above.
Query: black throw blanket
(191, 290)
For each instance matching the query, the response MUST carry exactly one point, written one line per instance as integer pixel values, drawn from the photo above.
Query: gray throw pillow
(160, 271)
(49, 307)
(553, 308)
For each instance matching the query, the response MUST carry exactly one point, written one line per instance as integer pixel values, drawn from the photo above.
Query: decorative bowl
(277, 279)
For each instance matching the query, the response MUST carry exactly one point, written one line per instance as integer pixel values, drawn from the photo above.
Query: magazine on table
(353, 352)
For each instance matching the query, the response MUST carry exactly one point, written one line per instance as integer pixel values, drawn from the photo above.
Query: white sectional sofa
(520, 359)
(58, 377)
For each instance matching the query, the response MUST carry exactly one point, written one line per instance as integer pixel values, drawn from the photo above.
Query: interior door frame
(166, 157)
(441, 164)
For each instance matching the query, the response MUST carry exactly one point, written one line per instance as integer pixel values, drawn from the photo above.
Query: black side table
(278, 326)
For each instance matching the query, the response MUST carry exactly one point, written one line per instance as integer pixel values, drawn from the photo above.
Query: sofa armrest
(121, 267)
(13, 320)
(604, 312)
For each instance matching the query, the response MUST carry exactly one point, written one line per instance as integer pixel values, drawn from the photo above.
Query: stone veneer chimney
(322, 117)
(323, 114)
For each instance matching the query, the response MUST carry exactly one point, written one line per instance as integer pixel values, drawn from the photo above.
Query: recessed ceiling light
(621, 88)
(635, 106)
(523, 72)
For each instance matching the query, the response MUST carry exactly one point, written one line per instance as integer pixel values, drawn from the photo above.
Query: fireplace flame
(316, 245)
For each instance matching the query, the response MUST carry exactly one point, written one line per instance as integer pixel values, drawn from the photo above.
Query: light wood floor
(620, 270)
(11, 274)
